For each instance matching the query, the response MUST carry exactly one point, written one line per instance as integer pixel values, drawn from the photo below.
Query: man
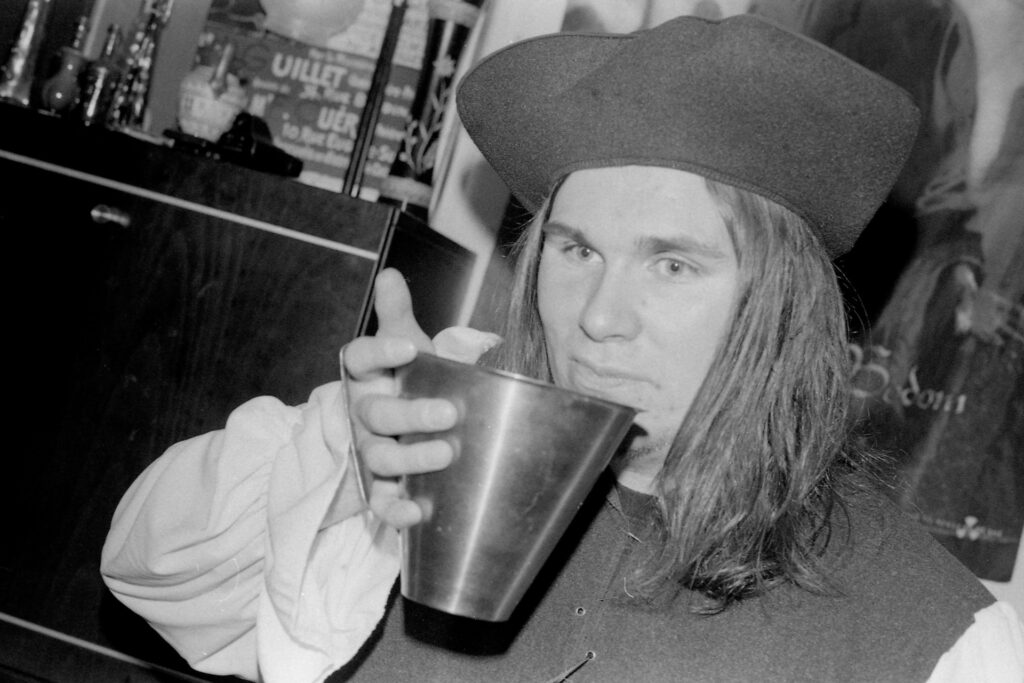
(690, 185)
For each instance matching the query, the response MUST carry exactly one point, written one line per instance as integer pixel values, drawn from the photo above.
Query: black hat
(740, 100)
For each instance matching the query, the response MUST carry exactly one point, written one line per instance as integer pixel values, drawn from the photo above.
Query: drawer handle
(101, 213)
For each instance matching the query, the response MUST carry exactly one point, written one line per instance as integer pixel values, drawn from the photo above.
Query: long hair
(749, 483)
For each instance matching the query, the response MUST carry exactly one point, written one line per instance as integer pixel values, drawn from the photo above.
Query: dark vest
(902, 601)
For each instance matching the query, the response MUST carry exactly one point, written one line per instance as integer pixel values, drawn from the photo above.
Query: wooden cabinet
(150, 293)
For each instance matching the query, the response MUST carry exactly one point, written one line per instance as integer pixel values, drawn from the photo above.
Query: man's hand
(379, 417)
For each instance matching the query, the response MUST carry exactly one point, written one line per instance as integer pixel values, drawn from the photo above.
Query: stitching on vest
(565, 675)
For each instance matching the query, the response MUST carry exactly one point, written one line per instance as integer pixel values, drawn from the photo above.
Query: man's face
(637, 282)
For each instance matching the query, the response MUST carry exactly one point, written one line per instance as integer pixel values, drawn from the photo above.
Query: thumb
(393, 305)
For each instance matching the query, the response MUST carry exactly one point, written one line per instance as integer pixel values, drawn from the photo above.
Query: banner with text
(312, 97)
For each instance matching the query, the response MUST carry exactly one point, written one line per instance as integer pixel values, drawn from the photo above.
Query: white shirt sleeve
(991, 650)
(218, 545)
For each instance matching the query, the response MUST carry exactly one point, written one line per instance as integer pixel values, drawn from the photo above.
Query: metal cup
(526, 455)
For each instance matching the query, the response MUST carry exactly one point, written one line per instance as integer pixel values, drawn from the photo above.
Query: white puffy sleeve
(218, 546)
(991, 650)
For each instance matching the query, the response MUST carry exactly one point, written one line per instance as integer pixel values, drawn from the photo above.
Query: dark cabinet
(151, 293)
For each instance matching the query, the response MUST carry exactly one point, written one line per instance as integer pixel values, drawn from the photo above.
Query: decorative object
(128, 105)
(17, 78)
(374, 100)
(211, 97)
(410, 182)
(312, 98)
(60, 91)
(101, 79)
(312, 22)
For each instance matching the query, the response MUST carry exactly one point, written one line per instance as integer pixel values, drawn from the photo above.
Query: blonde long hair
(749, 483)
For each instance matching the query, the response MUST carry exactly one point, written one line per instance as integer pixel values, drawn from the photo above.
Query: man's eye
(672, 267)
(580, 252)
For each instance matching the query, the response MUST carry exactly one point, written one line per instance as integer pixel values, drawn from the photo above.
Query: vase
(60, 91)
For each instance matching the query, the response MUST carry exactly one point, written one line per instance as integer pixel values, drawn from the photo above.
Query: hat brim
(741, 101)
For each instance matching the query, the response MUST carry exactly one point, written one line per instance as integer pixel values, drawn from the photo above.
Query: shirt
(218, 545)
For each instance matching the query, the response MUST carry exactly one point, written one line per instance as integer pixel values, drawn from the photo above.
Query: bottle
(128, 104)
(101, 78)
(409, 183)
(60, 91)
(16, 84)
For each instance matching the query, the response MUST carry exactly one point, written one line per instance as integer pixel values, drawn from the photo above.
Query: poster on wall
(308, 77)
(938, 277)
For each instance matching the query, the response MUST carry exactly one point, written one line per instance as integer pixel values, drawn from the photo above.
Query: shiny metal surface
(526, 455)
(101, 213)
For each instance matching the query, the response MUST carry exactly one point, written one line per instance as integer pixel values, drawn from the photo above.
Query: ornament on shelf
(409, 184)
(128, 103)
(16, 83)
(100, 81)
(211, 97)
(60, 91)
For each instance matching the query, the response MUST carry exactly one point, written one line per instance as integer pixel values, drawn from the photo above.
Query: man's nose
(611, 311)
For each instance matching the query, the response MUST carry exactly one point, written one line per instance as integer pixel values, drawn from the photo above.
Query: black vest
(903, 601)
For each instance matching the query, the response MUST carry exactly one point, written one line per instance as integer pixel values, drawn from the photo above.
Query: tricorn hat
(740, 100)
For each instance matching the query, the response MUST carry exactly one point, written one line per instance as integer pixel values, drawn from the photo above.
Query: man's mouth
(606, 381)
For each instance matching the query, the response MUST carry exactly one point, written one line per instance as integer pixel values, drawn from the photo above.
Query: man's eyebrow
(682, 243)
(557, 229)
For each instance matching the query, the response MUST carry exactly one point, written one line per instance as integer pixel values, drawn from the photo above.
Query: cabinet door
(138, 324)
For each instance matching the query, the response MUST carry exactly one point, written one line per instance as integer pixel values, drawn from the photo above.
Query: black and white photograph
(554, 341)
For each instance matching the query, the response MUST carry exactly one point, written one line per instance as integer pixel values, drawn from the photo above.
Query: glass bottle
(60, 91)
(128, 104)
(101, 78)
(16, 84)
(409, 184)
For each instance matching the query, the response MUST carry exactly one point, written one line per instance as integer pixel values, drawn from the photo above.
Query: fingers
(387, 417)
(387, 504)
(398, 337)
(370, 358)
(388, 459)
(393, 416)
(393, 305)
(378, 417)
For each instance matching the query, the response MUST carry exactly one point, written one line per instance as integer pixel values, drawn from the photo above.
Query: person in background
(690, 184)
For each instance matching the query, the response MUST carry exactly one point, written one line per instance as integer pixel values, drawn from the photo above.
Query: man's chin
(639, 446)
(637, 464)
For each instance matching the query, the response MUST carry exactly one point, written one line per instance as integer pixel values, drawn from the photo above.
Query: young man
(690, 185)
